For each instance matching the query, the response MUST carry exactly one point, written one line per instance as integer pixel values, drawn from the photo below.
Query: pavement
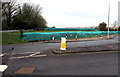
(49, 60)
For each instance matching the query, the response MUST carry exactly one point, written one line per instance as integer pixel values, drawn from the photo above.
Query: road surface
(75, 64)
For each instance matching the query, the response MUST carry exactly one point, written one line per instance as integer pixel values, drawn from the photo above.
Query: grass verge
(11, 38)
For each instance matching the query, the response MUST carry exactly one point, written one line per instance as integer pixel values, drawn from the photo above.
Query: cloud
(64, 13)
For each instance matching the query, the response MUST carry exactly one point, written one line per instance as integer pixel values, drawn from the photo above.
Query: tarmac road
(75, 64)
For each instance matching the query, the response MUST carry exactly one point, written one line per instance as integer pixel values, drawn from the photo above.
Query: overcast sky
(77, 13)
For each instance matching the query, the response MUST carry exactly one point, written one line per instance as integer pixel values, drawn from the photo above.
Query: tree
(22, 17)
(102, 26)
(114, 24)
(9, 10)
(29, 17)
(119, 28)
(38, 20)
(22, 20)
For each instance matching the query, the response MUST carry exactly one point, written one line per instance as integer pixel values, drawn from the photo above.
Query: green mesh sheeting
(35, 36)
(70, 29)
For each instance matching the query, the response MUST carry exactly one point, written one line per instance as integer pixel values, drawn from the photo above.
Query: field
(11, 38)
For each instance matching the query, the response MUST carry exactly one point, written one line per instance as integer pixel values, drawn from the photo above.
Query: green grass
(11, 38)
(14, 37)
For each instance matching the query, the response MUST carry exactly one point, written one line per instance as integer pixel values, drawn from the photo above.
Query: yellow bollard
(63, 43)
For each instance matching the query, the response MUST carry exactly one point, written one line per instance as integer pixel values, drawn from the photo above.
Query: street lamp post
(118, 15)
(108, 20)
(0, 15)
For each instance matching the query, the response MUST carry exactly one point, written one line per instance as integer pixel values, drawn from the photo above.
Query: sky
(76, 13)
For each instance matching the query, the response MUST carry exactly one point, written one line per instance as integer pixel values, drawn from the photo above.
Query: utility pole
(118, 14)
(108, 36)
(0, 34)
(0, 15)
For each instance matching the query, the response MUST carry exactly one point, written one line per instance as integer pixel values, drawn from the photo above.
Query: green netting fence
(35, 36)
(69, 29)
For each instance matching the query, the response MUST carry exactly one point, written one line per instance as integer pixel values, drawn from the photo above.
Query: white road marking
(31, 54)
(27, 56)
(20, 53)
(3, 67)
(24, 53)
(39, 55)
(1, 55)
(35, 54)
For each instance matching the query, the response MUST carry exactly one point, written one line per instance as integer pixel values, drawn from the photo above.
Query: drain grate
(25, 70)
